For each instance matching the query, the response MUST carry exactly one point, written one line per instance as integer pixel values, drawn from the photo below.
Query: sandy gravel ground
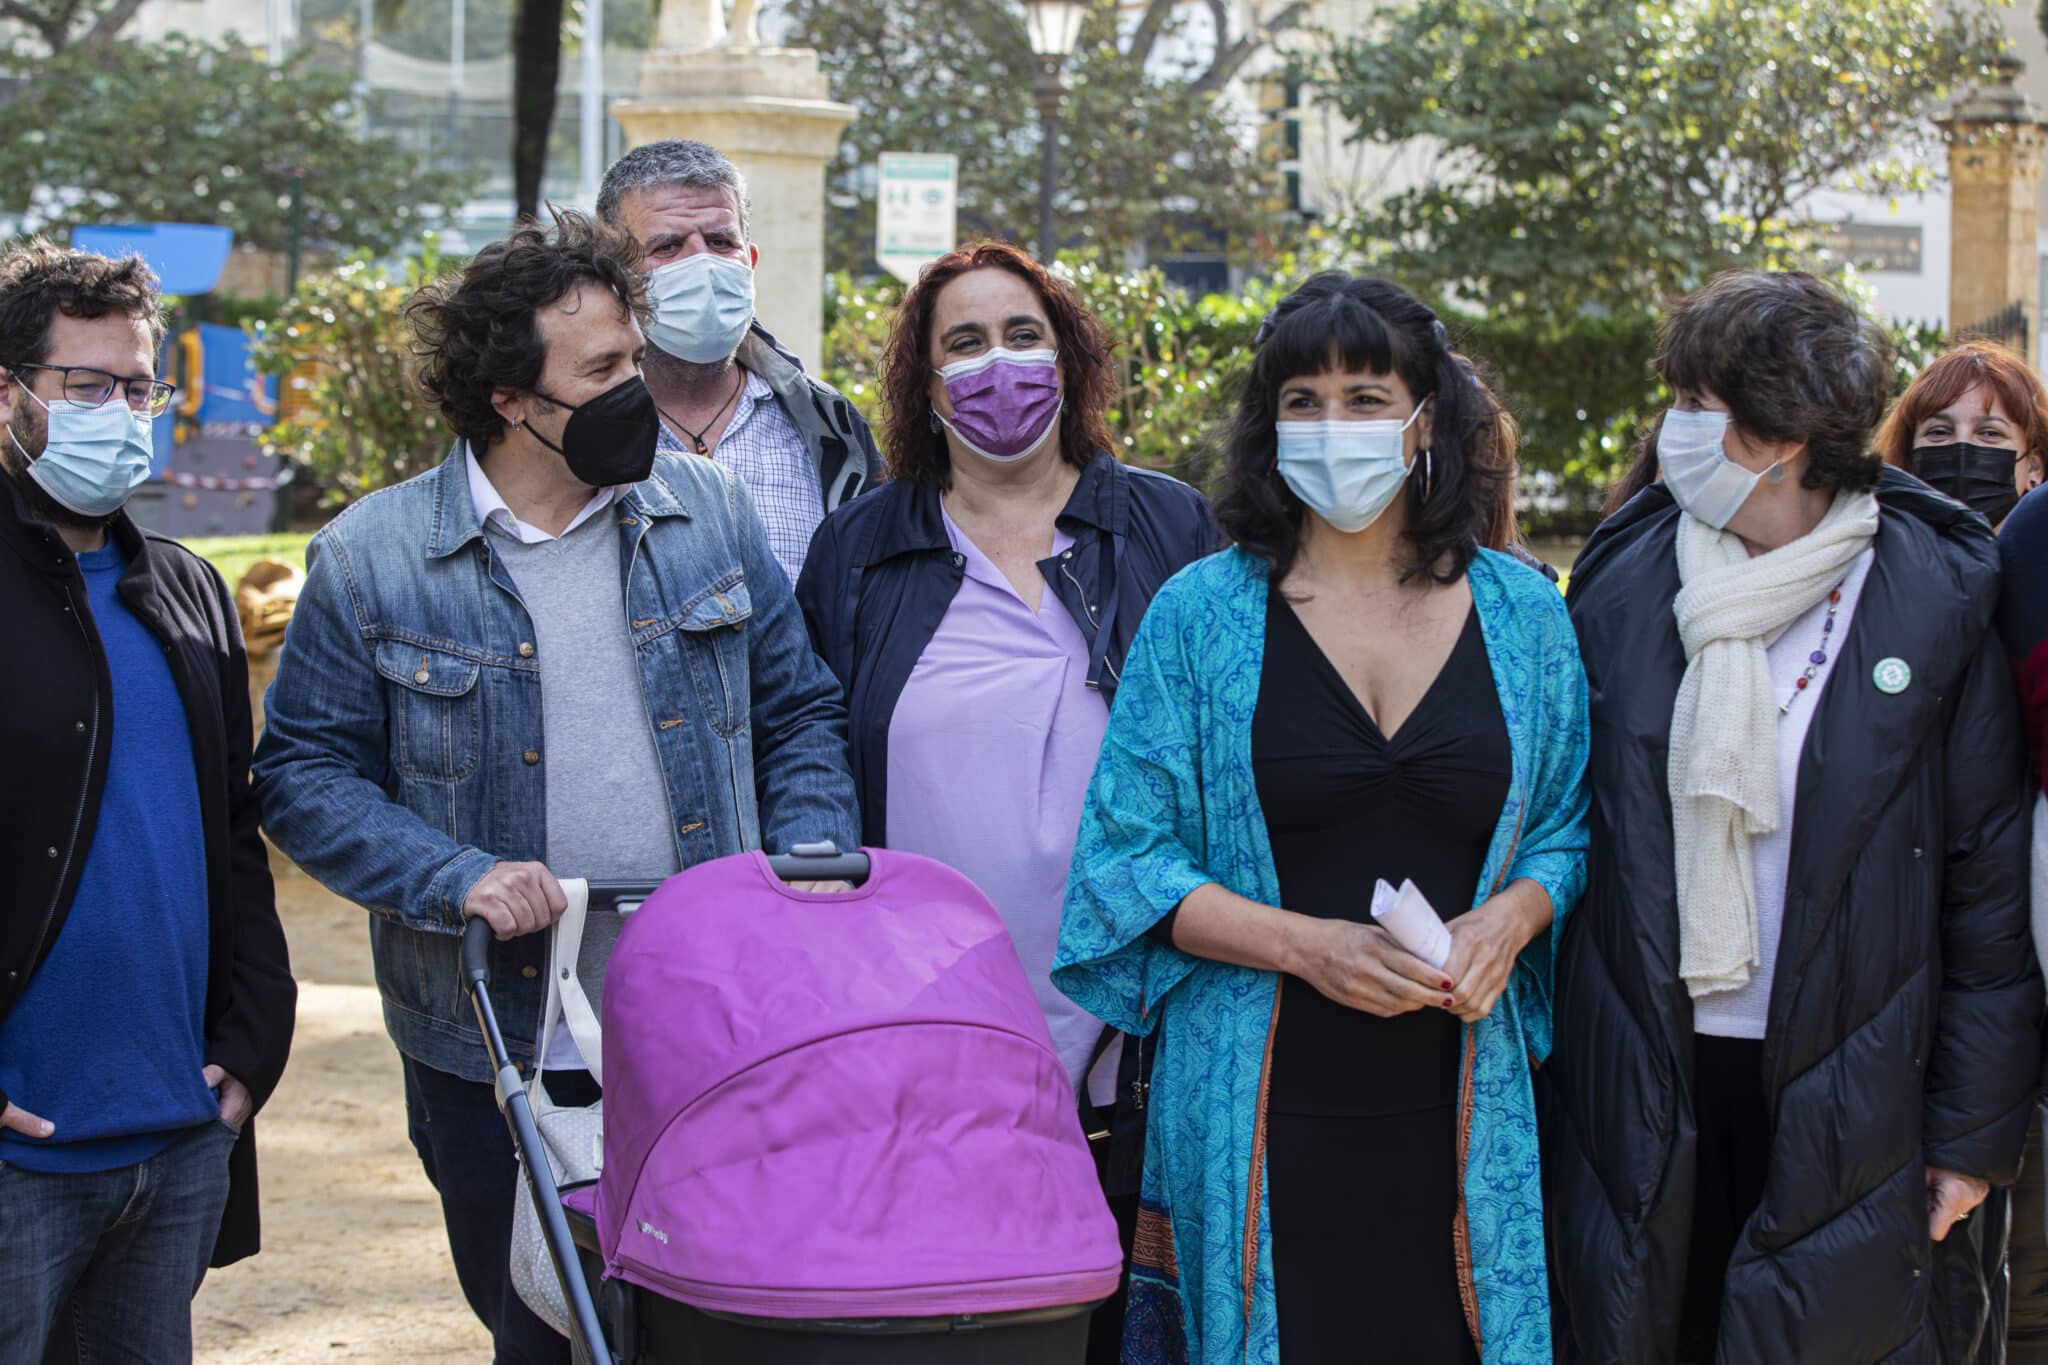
(354, 1265)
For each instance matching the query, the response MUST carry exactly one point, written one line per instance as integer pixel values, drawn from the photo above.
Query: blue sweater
(108, 1042)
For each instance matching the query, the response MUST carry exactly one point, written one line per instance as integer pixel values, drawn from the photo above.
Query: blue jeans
(101, 1267)
(466, 1149)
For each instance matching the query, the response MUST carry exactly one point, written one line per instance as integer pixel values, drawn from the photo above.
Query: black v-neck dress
(1361, 1145)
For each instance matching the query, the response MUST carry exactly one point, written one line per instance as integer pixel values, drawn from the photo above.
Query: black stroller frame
(809, 862)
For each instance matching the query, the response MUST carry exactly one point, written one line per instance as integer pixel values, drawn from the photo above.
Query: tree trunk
(536, 70)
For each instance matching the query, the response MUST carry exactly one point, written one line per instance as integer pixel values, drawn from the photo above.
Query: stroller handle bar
(806, 862)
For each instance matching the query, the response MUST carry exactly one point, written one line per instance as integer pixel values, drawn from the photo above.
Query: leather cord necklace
(697, 437)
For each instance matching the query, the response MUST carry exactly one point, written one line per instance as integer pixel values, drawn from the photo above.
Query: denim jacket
(403, 754)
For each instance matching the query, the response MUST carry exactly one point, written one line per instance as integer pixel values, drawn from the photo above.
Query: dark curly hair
(1793, 360)
(1359, 324)
(479, 331)
(917, 451)
(39, 280)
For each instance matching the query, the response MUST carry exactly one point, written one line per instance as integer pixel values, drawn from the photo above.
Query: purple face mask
(1004, 402)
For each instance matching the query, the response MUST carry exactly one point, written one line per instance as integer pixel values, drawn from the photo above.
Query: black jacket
(1905, 1015)
(880, 575)
(55, 707)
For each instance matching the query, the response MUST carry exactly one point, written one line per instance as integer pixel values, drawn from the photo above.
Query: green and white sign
(914, 210)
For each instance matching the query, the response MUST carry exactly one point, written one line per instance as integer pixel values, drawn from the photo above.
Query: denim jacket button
(420, 676)
(526, 649)
(532, 756)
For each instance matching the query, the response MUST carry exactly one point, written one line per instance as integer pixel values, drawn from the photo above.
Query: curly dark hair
(1794, 361)
(39, 280)
(1359, 324)
(917, 451)
(479, 331)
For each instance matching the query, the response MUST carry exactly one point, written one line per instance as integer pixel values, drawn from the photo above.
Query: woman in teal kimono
(1341, 1158)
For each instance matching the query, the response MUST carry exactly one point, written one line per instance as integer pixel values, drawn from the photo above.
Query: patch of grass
(233, 555)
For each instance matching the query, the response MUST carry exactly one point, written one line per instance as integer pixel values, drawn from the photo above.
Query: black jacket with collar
(881, 573)
(1905, 1011)
(55, 714)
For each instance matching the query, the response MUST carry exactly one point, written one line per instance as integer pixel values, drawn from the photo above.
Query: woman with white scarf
(1797, 1013)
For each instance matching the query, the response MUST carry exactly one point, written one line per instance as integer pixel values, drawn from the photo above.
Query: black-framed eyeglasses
(89, 388)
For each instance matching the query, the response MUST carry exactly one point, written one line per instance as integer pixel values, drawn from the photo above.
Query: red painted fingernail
(1447, 985)
(1448, 1002)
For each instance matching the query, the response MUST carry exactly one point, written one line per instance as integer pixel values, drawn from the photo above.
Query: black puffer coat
(1904, 1020)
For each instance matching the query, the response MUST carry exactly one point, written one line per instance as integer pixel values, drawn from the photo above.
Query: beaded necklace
(1819, 658)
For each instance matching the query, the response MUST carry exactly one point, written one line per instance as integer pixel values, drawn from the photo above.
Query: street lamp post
(1053, 26)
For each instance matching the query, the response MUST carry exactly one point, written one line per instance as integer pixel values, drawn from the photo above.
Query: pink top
(990, 750)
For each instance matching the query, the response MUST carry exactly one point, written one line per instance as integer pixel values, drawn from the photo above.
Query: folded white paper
(1413, 921)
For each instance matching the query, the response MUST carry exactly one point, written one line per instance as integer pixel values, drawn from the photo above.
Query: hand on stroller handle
(512, 898)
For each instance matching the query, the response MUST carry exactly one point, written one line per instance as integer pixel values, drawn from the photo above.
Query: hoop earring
(1428, 474)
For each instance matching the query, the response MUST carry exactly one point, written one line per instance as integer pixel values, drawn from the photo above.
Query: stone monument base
(768, 109)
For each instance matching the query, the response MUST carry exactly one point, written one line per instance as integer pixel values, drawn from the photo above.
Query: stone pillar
(1995, 143)
(770, 111)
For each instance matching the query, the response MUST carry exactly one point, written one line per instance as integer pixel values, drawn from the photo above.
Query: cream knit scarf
(1724, 727)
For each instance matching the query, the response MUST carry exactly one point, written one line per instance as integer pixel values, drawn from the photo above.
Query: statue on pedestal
(699, 25)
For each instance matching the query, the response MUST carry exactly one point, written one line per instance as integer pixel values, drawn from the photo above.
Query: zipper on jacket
(1094, 619)
(92, 744)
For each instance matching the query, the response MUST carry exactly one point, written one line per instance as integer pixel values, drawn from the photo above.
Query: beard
(21, 435)
(687, 375)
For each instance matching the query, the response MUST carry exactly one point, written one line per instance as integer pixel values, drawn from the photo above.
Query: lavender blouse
(991, 747)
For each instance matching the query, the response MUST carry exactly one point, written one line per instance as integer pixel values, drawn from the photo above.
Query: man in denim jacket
(557, 654)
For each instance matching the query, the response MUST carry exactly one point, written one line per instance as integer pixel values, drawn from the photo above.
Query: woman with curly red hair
(977, 609)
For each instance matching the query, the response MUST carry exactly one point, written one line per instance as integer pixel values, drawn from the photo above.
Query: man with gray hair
(724, 387)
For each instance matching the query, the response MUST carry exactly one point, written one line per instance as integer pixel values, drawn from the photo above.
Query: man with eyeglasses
(146, 1001)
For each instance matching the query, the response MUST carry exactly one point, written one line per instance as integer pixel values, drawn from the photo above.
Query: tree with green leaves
(183, 131)
(60, 24)
(1153, 151)
(1613, 153)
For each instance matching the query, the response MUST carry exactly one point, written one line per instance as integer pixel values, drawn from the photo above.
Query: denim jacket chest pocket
(436, 714)
(710, 632)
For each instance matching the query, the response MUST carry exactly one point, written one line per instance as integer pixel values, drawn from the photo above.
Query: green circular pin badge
(1892, 676)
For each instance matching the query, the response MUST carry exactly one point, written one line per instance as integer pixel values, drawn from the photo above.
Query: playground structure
(209, 474)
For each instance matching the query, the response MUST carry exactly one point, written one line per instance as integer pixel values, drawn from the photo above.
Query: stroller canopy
(836, 1106)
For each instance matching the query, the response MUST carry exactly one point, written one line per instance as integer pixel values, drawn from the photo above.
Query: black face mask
(612, 438)
(1979, 477)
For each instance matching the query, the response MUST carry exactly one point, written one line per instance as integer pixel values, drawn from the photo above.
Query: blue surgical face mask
(94, 457)
(1703, 480)
(702, 305)
(1345, 472)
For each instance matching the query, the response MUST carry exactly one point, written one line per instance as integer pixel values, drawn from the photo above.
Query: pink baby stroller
(836, 1131)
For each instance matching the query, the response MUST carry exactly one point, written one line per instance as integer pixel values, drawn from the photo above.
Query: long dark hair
(916, 448)
(1359, 324)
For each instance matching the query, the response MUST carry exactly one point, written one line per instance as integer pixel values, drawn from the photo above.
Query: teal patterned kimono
(1172, 806)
